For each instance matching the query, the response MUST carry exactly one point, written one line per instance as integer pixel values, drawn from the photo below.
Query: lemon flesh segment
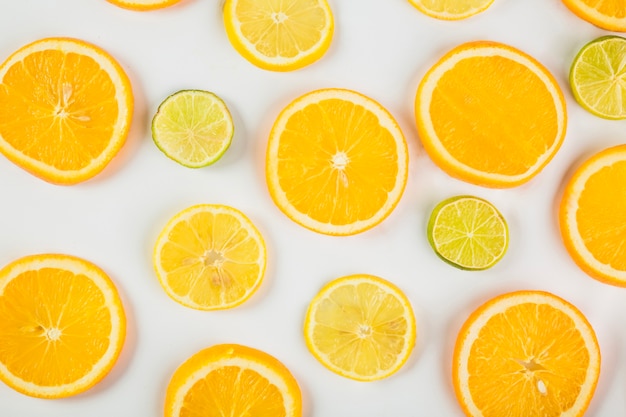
(193, 128)
(598, 77)
(451, 9)
(468, 233)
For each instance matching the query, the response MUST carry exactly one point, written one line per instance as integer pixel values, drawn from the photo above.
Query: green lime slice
(598, 77)
(193, 127)
(468, 232)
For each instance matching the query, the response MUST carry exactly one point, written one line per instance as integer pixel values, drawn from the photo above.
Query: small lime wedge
(598, 77)
(468, 232)
(193, 127)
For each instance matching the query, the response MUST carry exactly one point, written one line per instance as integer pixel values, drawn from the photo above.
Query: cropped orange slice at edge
(65, 109)
(143, 5)
(606, 14)
(490, 114)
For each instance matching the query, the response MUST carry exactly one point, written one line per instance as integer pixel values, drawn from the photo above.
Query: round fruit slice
(233, 380)
(193, 128)
(606, 14)
(597, 77)
(65, 109)
(526, 353)
(143, 5)
(210, 257)
(336, 162)
(468, 232)
(279, 36)
(592, 216)
(490, 115)
(360, 327)
(451, 9)
(62, 327)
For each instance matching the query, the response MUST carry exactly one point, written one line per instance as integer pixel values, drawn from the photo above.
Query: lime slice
(468, 232)
(193, 127)
(598, 77)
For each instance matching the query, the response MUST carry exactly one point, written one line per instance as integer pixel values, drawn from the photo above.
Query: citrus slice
(598, 77)
(526, 353)
(360, 327)
(233, 380)
(489, 114)
(592, 216)
(468, 232)
(451, 9)
(336, 162)
(63, 325)
(606, 14)
(65, 109)
(279, 35)
(143, 5)
(210, 257)
(193, 128)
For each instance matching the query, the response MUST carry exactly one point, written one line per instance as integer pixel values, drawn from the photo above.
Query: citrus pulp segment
(361, 327)
(143, 5)
(233, 380)
(193, 128)
(210, 257)
(468, 232)
(65, 109)
(526, 353)
(451, 9)
(63, 325)
(336, 162)
(598, 77)
(490, 114)
(592, 216)
(606, 14)
(279, 35)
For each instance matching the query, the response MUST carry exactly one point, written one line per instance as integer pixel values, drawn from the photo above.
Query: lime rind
(468, 233)
(193, 128)
(598, 77)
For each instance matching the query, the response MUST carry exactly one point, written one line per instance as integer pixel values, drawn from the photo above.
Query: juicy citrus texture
(598, 77)
(468, 232)
(62, 327)
(606, 14)
(336, 162)
(592, 216)
(279, 35)
(65, 109)
(143, 5)
(451, 9)
(233, 380)
(490, 115)
(526, 353)
(193, 128)
(210, 257)
(361, 327)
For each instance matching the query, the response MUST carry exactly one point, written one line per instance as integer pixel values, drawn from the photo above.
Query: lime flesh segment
(598, 77)
(468, 233)
(193, 127)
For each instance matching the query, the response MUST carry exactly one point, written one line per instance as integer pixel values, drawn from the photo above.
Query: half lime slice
(193, 127)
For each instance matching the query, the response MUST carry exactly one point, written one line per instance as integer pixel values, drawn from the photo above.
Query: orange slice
(210, 257)
(526, 353)
(143, 5)
(336, 162)
(62, 327)
(233, 380)
(361, 327)
(592, 216)
(451, 9)
(65, 109)
(490, 114)
(606, 14)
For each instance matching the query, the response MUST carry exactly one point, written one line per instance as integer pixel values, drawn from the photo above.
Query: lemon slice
(451, 9)
(193, 128)
(360, 327)
(598, 77)
(468, 232)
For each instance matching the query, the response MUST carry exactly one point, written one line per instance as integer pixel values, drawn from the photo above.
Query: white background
(380, 48)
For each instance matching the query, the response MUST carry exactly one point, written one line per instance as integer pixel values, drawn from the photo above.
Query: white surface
(380, 48)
